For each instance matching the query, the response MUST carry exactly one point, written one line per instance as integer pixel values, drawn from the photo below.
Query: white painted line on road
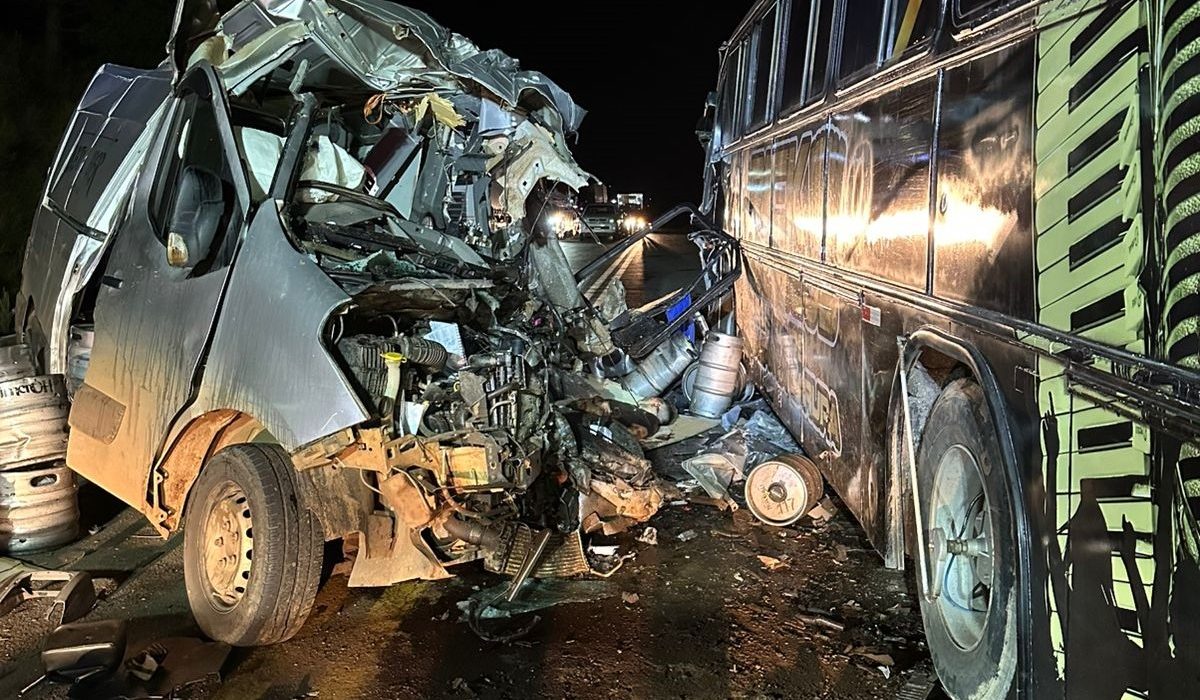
(625, 263)
(618, 267)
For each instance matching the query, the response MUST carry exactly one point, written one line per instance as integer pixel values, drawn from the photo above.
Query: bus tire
(971, 627)
(252, 551)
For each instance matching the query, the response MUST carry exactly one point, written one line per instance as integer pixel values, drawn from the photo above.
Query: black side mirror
(196, 216)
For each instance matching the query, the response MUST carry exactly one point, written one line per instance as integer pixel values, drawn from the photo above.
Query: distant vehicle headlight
(633, 223)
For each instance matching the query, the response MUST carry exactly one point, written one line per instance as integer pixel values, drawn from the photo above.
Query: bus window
(967, 12)
(822, 38)
(913, 24)
(728, 100)
(764, 42)
(861, 31)
(746, 85)
(797, 53)
(806, 64)
(737, 92)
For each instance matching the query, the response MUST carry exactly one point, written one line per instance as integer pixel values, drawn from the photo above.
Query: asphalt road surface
(658, 265)
(700, 614)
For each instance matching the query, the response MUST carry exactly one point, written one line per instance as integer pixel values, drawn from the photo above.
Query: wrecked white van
(326, 304)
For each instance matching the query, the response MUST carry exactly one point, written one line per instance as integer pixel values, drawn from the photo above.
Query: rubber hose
(420, 351)
(473, 533)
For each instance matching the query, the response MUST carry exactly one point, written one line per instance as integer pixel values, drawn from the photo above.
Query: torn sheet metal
(392, 47)
(530, 157)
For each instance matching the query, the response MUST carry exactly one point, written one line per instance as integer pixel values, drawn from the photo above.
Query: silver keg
(39, 508)
(33, 420)
(655, 374)
(717, 380)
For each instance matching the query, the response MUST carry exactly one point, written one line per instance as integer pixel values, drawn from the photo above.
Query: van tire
(259, 585)
(972, 663)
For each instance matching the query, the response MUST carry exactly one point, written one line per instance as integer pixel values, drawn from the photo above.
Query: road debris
(630, 598)
(88, 656)
(536, 594)
(824, 511)
(81, 650)
(715, 473)
(73, 599)
(686, 536)
(649, 536)
(771, 563)
(821, 620)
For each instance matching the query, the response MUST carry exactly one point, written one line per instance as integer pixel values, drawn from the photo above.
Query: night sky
(637, 67)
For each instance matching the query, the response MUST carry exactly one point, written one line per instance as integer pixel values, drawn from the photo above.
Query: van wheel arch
(204, 436)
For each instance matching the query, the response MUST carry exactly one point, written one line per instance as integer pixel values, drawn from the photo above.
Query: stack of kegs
(39, 507)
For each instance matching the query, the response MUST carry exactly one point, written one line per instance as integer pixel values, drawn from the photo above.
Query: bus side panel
(1123, 564)
(878, 225)
(878, 195)
(798, 225)
(983, 229)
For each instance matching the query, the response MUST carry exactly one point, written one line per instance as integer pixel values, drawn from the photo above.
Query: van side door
(101, 151)
(161, 291)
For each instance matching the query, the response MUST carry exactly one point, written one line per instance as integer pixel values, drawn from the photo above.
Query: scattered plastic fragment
(649, 536)
(535, 594)
(820, 620)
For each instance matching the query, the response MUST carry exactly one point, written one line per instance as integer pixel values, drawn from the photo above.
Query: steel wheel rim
(774, 491)
(963, 544)
(228, 546)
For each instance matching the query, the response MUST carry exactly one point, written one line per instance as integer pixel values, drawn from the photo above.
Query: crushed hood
(386, 47)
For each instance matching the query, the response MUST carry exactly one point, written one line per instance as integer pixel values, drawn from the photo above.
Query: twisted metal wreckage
(392, 307)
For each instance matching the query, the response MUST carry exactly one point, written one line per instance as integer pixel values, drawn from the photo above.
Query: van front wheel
(251, 549)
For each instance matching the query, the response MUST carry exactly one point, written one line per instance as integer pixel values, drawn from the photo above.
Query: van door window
(199, 149)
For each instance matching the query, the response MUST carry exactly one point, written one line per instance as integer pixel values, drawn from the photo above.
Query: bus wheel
(970, 610)
(251, 550)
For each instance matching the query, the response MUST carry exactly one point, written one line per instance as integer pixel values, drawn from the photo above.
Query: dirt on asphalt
(819, 617)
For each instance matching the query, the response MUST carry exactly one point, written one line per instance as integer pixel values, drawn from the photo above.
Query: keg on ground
(39, 507)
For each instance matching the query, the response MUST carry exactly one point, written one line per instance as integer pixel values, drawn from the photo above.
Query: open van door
(161, 290)
(86, 190)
